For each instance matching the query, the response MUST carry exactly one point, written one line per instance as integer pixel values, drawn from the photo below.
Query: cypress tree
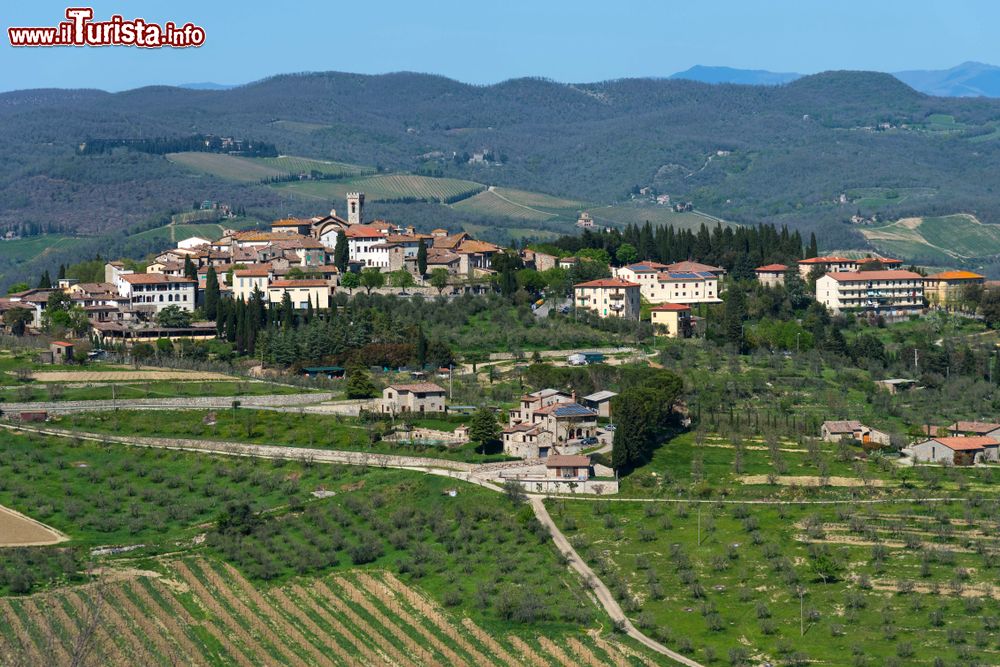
(45, 282)
(211, 294)
(422, 259)
(341, 253)
(189, 270)
(287, 311)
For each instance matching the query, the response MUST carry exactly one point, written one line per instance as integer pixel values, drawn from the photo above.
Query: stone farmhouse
(547, 422)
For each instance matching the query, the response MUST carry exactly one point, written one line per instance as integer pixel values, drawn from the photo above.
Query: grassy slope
(951, 237)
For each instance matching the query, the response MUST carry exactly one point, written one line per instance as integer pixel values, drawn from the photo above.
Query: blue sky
(485, 42)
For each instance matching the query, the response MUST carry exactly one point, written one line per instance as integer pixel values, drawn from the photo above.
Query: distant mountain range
(970, 79)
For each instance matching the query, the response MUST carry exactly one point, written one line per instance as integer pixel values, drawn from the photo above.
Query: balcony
(616, 296)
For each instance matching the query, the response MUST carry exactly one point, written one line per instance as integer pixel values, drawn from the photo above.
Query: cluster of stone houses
(292, 258)
(549, 422)
(961, 443)
(874, 284)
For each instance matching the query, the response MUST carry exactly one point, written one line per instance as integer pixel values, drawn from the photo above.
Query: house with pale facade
(302, 293)
(891, 293)
(956, 450)
(835, 431)
(771, 275)
(672, 320)
(948, 288)
(421, 397)
(250, 279)
(149, 293)
(608, 297)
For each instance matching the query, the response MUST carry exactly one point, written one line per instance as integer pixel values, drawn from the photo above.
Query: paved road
(178, 403)
(604, 595)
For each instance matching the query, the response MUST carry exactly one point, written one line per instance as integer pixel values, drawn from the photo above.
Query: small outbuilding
(563, 466)
(956, 450)
(600, 402)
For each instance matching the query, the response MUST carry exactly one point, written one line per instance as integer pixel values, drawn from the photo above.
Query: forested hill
(746, 153)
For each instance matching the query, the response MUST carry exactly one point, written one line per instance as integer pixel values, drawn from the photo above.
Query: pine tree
(341, 252)
(422, 259)
(359, 383)
(485, 429)
(211, 294)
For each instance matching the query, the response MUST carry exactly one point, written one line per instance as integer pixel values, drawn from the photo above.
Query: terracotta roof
(843, 426)
(154, 278)
(973, 427)
(864, 276)
(471, 245)
(958, 443)
(308, 282)
(290, 222)
(567, 461)
(645, 267)
(62, 343)
(771, 268)
(607, 282)
(879, 260)
(256, 272)
(693, 266)
(363, 231)
(956, 275)
(418, 388)
(671, 307)
(828, 260)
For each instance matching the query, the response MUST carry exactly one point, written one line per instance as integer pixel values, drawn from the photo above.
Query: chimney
(333, 213)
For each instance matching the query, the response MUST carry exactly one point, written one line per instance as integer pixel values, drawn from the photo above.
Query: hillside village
(612, 364)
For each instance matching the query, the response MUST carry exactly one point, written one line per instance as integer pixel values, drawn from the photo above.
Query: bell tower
(355, 208)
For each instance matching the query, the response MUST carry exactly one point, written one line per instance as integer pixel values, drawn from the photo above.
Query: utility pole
(451, 382)
(916, 361)
(802, 627)
(699, 524)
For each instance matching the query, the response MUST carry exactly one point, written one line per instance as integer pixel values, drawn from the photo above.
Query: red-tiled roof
(695, 267)
(62, 343)
(567, 461)
(959, 444)
(257, 272)
(956, 275)
(671, 307)
(607, 282)
(363, 231)
(309, 282)
(771, 268)
(827, 260)
(973, 427)
(865, 276)
(154, 279)
(418, 388)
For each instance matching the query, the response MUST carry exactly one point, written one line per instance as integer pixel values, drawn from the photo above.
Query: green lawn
(266, 427)
(125, 390)
(32, 246)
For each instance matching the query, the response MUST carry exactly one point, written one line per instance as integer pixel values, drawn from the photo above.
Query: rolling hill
(782, 154)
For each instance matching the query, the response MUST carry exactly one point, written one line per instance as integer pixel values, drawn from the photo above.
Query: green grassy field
(959, 236)
(233, 556)
(383, 188)
(489, 203)
(267, 428)
(228, 167)
(657, 215)
(31, 247)
(290, 164)
(124, 391)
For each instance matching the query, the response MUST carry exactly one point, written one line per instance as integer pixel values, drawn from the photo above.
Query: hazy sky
(485, 42)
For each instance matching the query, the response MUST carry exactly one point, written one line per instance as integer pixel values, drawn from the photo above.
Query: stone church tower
(355, 208)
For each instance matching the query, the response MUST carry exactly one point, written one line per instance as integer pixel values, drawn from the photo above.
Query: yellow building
(671, 319)
(946, 289)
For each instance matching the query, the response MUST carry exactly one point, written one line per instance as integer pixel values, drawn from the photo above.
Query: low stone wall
(180, 403)
(550, 485)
